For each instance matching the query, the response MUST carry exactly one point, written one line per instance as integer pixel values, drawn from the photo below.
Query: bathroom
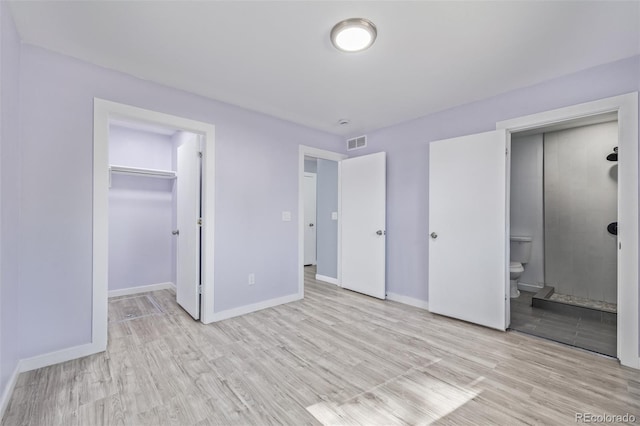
(563, 220)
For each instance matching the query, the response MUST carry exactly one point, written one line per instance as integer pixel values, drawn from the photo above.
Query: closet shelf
(136, 171)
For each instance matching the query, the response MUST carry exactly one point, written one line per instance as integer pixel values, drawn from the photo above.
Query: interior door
(468, 275)
(188, 215)
(310, 218)
(363, 218)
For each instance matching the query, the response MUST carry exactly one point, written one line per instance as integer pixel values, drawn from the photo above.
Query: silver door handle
(380, 232)
(311, 225)
(176, 232)
(434, 235)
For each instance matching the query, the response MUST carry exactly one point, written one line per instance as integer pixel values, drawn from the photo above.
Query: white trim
(141, 289)
(103, 112)
(529, 287)
(8, 389)
(326, 279)
(627, 108)
(247, 309)
(56, 357)
(325, 155)
(411, 301)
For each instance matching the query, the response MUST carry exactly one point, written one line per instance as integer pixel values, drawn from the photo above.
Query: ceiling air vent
(356, 143)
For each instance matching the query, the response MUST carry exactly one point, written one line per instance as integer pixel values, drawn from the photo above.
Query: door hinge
(506, 151)
(199, 288)
(200, 154)
(199, 221)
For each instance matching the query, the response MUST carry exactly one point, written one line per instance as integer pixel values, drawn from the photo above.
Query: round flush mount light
(344, 122)
(353, 35)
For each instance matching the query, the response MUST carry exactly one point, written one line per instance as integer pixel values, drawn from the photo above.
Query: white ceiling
(276, 57)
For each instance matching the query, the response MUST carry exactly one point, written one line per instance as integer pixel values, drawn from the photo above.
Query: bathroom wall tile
(527, 212)
(580, 199)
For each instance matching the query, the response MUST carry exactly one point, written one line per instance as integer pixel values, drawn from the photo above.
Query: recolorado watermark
(605, 418)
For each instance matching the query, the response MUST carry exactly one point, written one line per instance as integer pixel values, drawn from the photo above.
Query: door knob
(434, 235)
(311, 225)
(176, 232)
(380, 232)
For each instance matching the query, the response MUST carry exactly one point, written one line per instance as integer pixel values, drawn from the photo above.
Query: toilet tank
(520, 249)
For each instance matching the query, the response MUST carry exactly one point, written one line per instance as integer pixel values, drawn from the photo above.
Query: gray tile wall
(580, 199)
(527, 211)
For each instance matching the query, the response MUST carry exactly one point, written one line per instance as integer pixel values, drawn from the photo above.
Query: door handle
(434, 235)
(311, 225)
(176, 232)
(380, 232)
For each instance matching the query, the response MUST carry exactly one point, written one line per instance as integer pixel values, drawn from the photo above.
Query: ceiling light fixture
(353, 35)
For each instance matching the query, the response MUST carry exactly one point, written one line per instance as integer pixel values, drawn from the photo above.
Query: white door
(468, 275)
(310, 218)
(188, 215)
(363, 217)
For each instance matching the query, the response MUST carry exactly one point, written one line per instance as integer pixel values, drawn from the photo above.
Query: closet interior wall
(141, 209)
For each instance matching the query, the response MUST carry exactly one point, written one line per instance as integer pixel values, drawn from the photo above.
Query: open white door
(468, 276)
(363, 218)
(310, 218)
(188, 215)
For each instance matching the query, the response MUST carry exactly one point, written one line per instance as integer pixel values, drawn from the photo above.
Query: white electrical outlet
(286, 216)
(252, 278)
(334, 215)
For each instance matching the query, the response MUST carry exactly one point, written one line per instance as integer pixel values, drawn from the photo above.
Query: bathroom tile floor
(573, 330)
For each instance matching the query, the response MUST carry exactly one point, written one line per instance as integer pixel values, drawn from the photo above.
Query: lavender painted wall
(141, 246)
(310, 165)
(10, 303)
(406, 145)
(256, 179)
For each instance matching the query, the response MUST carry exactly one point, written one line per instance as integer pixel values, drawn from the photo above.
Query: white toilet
(520, 255)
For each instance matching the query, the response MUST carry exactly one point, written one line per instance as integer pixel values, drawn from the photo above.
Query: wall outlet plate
(286, 216)
(334, 215)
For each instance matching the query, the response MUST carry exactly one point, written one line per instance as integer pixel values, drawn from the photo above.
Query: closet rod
(136, 171)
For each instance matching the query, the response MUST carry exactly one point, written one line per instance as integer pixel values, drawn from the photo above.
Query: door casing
(103, 111)
(626, 107)
(325, 155)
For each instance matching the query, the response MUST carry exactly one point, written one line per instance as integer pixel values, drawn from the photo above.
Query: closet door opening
(154, 219)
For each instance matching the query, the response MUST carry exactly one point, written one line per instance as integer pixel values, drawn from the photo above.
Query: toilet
(520, 254)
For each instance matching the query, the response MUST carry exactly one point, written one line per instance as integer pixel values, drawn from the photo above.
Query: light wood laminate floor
(336, 357)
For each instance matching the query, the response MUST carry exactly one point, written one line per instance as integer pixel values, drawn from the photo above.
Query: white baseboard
(326, 279)
(8, 390)
(141, 289)
(242, 310)
(411, 301)
(51, 358)
(533, 288)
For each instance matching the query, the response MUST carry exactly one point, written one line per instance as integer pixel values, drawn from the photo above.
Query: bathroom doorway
(563, 227)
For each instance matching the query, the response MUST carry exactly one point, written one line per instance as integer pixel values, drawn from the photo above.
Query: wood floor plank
(336, 358)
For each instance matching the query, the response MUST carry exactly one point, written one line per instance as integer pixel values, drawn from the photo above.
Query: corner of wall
(9, 204)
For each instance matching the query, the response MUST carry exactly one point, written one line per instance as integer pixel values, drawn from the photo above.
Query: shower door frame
(626, 107)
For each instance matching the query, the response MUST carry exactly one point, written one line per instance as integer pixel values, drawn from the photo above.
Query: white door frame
(626, 107)
(325, 155)
(103, 111)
